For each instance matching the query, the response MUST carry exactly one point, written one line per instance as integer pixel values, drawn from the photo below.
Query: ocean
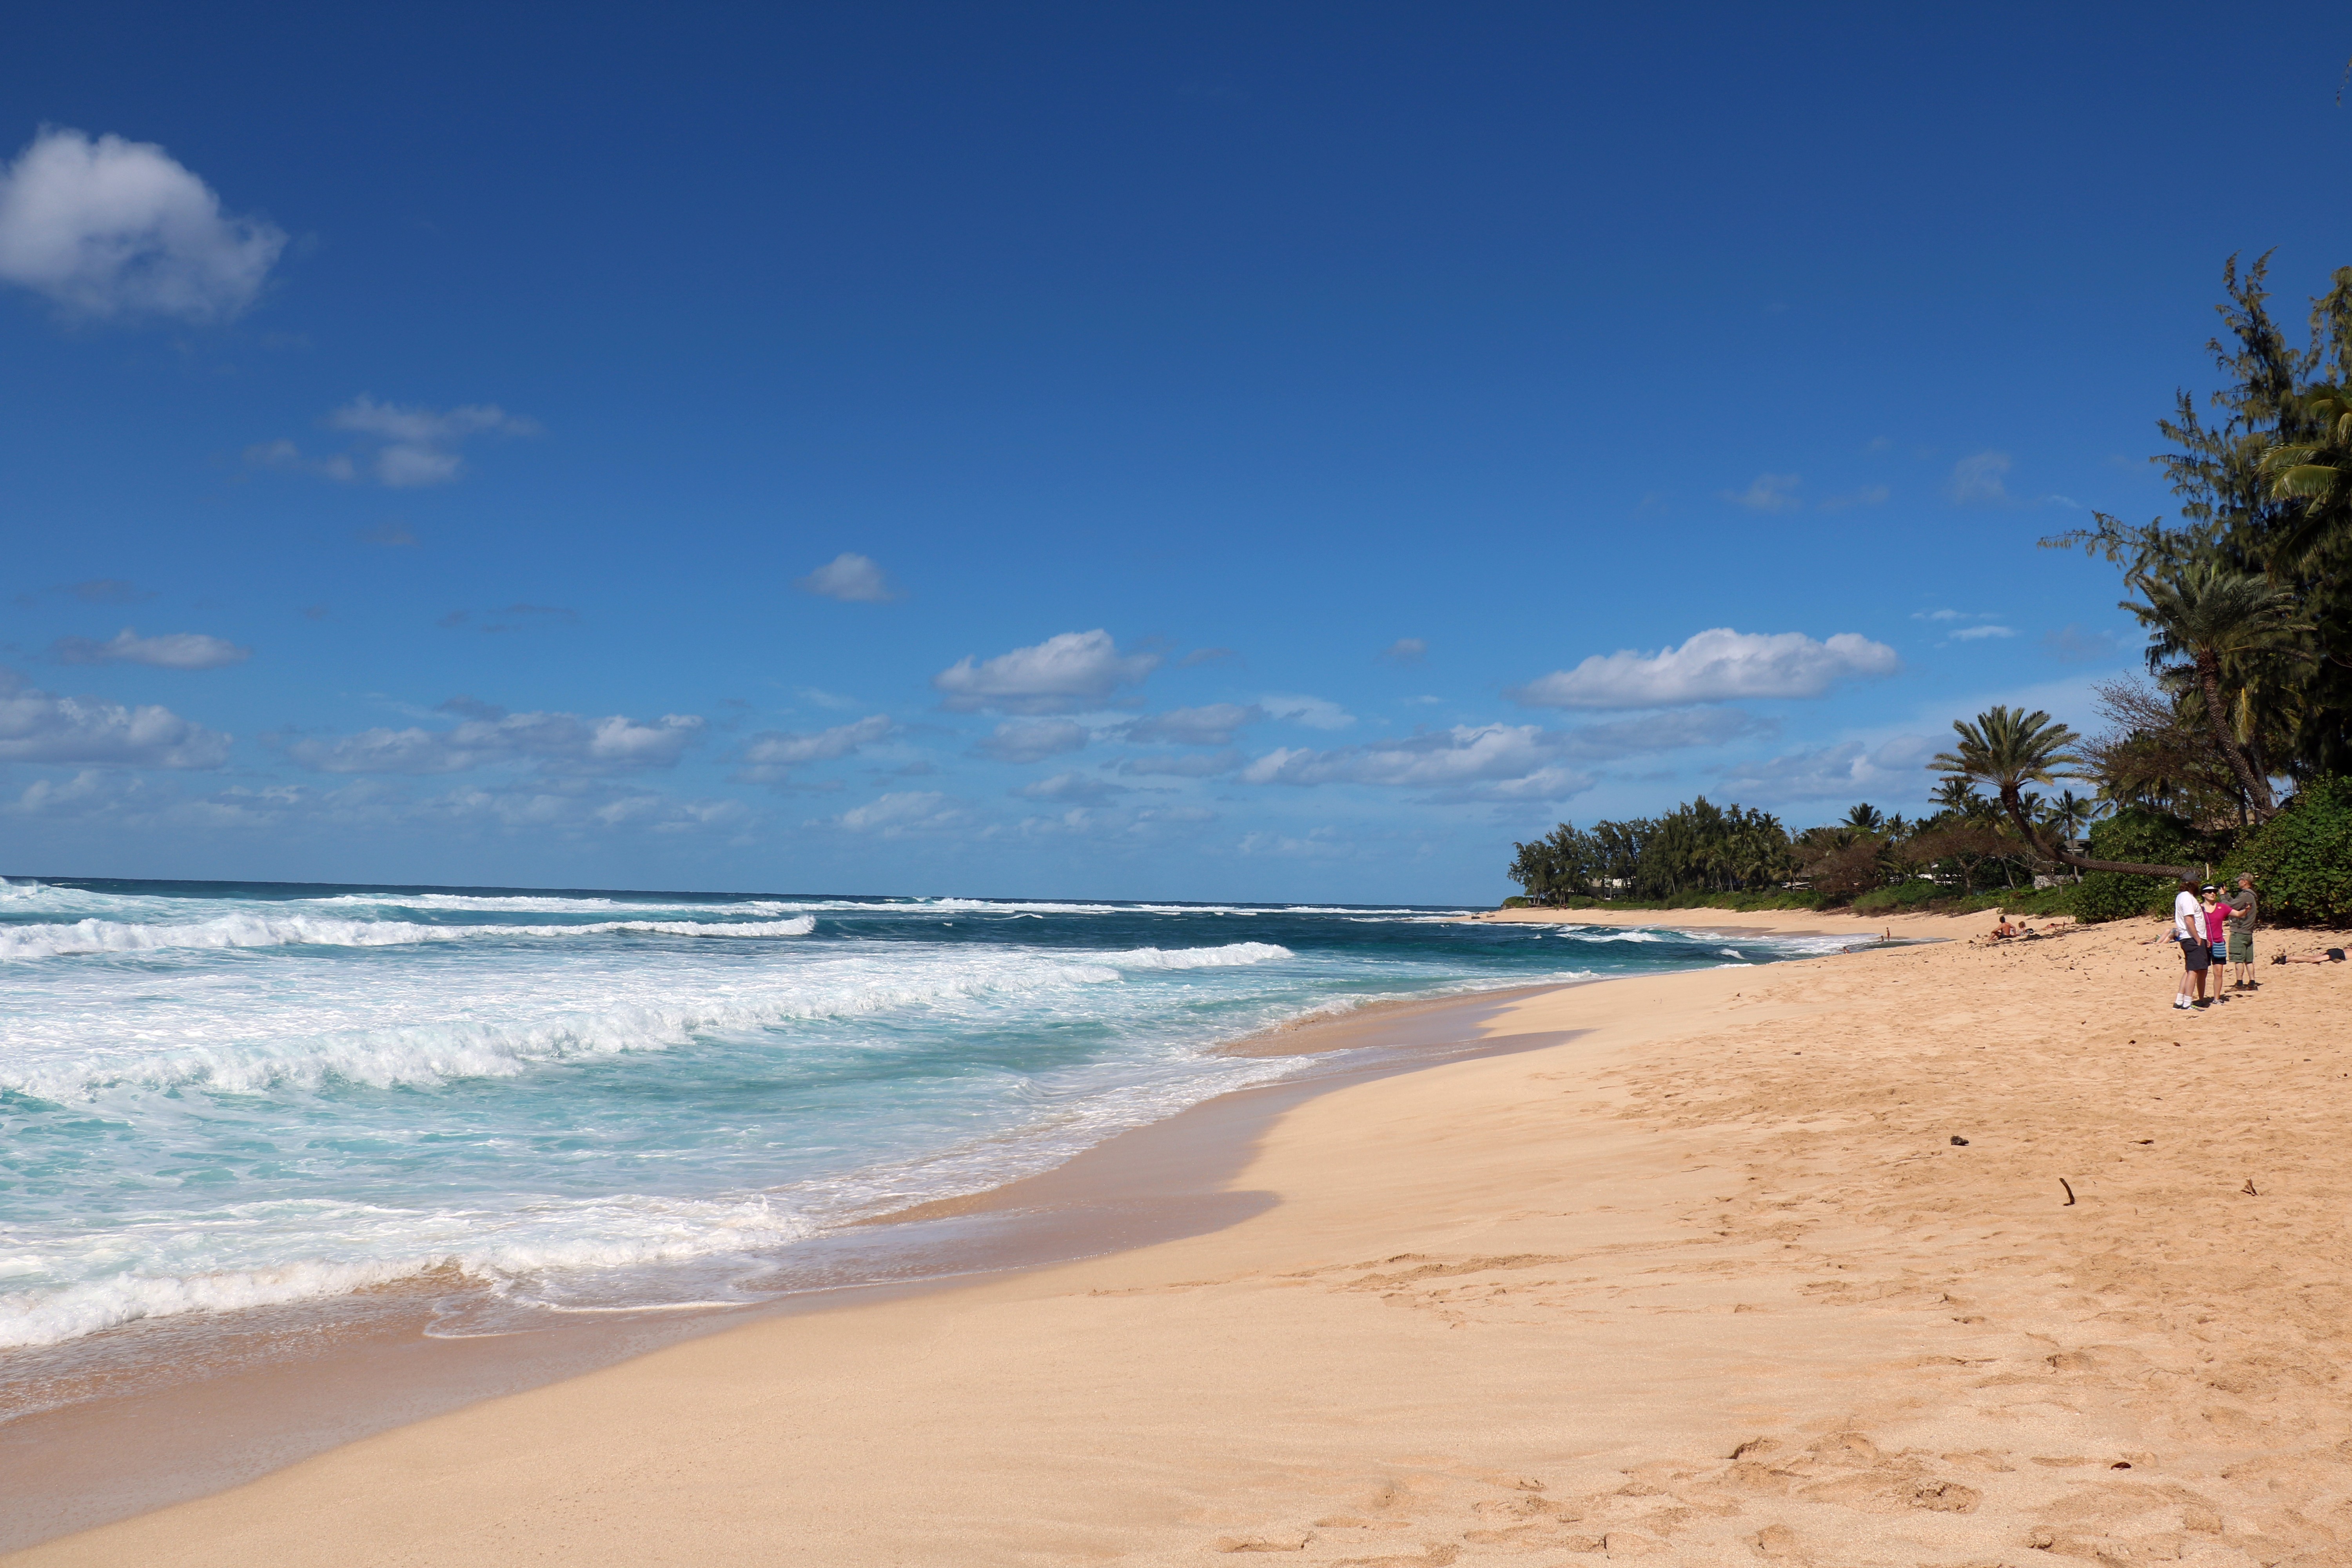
(223, 1095)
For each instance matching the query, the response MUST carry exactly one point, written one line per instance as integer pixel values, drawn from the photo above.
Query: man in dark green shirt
(2241, 935)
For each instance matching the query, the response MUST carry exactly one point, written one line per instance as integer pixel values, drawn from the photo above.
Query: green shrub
(2058, 901)
(1901, 897)
(2302, 858)
(2133, 833)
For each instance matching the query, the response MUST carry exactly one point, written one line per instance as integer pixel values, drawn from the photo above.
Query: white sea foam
(296, 1097)
(60, 939)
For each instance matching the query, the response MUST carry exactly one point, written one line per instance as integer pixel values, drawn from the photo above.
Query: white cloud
(899, 814)
(1978, 480)
(401, 448)
(1766, 492)
(1712, 667)
(36, 727)
(558, 742)
(110, 227)
(1406, 650)
(1077, 789)
(771, 755)
(1851, 771)
(1064, 674)
(1312, 712)
(1978, 634)
(1462, 755)
(173, 650)
(1033, 740)
(1210, 726)
(852, 579)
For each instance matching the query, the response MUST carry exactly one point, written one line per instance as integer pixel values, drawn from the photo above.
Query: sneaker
(2181, 1002)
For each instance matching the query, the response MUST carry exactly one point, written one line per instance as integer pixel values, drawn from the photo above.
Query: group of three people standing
(2214, 931)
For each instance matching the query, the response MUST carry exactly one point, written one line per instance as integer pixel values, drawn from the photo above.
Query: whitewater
(224, 1096)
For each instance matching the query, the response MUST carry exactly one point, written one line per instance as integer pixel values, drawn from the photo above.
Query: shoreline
(1540, 1299)
(95, 1461)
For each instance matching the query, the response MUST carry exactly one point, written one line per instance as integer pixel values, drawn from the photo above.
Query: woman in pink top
(2217, 929)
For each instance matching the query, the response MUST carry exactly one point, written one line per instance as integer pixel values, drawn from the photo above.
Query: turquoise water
(216, 1096)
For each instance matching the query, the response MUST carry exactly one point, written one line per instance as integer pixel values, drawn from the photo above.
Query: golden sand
(1711, 1283)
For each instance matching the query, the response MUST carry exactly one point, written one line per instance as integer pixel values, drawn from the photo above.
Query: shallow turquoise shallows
(219, 1095)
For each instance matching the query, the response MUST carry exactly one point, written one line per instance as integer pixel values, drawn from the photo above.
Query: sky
(1202, 451)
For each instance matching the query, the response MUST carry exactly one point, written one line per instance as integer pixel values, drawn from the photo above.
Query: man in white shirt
(2195, 952)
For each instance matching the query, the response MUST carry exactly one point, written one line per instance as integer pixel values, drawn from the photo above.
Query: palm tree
(2071, 814)
(2008, 749)
(1866, 818)
(2205, 612)
(2314, 473)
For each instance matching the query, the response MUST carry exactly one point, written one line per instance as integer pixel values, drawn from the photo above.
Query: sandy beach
(1705, 1273)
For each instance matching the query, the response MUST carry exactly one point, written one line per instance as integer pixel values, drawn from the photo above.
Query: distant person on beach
(2327, 955)
(2242, 936)
(2196, 951)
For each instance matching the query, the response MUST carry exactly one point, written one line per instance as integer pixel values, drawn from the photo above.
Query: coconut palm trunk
(2250, 779)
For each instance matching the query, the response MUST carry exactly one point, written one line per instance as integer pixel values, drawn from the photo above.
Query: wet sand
(1704, 1275)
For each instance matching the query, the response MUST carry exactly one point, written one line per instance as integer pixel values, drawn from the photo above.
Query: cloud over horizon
(1067, 673)
(1714, 665)
(172, 650)
(107, 227)
(558, 742)
(38, 727)
(770, 756)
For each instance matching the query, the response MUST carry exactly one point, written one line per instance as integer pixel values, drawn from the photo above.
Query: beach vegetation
(2302, 858)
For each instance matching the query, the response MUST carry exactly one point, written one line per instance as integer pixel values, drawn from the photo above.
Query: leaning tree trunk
(2257, 788)
(2060, 853)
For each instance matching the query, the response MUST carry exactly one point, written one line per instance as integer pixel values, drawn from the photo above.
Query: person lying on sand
(2327, 955)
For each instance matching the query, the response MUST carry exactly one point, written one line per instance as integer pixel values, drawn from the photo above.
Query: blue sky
(1202, 451)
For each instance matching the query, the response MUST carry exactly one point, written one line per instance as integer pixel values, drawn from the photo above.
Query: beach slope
(1714, 1280)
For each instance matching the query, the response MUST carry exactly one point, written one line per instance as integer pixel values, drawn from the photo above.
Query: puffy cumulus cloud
(770, 756)
(36, 727)
(400, 447)
(1033, 740)
(173, 650)
(1210, 726)
(1712, 667)
(853, 579)
(1312, 712)
(108, 228)
(558, 742)
(1064, 674)
(899, 814)
(1852, 769)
